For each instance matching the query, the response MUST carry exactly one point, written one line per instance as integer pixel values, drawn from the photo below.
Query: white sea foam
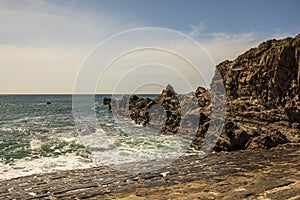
(35, 144)
(138, 125)
(26, 166)
(6, 129)
(97, 140)
(140, 149)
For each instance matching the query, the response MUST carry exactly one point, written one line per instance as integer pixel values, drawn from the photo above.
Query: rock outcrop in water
(165, 108)
(262, 93)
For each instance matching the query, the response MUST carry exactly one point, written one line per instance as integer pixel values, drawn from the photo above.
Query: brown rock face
(264, 73)
(262, 90)
(144, 110)
(169, 101)
(262, 99)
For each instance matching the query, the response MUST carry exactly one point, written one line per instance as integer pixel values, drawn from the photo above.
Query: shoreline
(238, 174)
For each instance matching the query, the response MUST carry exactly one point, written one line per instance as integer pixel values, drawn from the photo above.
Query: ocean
(36, 137)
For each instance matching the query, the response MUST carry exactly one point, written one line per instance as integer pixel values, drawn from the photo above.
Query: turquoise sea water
(28, 118)
(39, 137)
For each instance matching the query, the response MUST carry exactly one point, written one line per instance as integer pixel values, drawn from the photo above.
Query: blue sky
(236, 16)
(43, 43)
(262, 16)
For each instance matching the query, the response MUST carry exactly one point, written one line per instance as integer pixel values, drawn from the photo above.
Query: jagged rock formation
(262, 93)
(141, 110)
(262, 90)
(169, 101)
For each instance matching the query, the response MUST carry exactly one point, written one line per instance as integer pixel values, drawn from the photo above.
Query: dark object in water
(107, 101)
(48, 102)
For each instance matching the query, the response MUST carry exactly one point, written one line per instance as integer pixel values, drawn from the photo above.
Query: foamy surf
(38, 138)
(28, 166)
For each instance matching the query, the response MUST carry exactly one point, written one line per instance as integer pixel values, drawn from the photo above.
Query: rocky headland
(262, 89)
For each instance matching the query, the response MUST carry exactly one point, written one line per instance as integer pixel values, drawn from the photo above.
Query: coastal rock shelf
(256, 174)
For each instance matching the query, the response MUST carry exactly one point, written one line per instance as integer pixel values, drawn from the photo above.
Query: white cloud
(227, 46)
(41, 23)
(223, 46)
(196, 29)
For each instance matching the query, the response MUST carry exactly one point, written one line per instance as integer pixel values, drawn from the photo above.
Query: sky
(45, 45)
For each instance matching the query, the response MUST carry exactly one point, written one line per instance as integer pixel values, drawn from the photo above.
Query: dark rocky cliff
(262, 89)
(262, 94)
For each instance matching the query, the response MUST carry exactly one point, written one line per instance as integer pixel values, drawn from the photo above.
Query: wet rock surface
(255, 174)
